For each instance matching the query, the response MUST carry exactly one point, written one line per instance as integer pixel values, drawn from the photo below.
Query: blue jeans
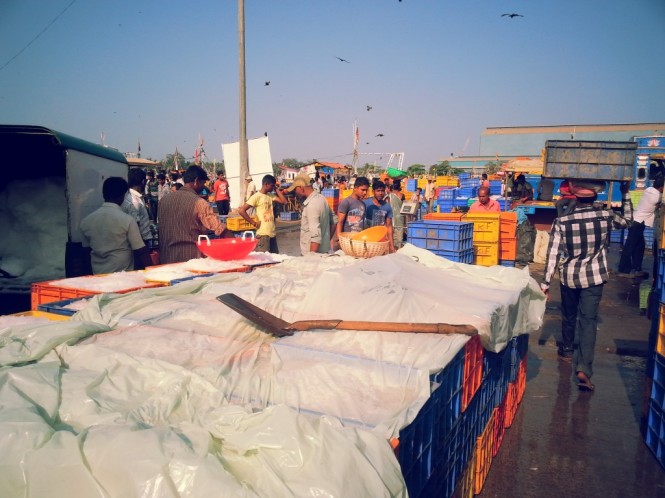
(579, 313)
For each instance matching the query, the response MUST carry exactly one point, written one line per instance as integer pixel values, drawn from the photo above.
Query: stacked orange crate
(483, 456)
(473, 369)
(47, 292)
(508, 236)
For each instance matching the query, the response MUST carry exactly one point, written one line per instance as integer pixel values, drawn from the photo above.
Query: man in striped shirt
(183, 216)
(577, 247)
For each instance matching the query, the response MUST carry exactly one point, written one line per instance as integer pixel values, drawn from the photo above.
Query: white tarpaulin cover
(170, 393)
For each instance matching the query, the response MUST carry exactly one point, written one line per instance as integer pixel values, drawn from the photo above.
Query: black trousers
(579, 313)
(633, 250)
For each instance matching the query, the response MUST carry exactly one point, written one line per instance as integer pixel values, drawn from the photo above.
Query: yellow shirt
(263, 204)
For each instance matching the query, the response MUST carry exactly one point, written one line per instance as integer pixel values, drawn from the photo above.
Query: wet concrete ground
(564, 442)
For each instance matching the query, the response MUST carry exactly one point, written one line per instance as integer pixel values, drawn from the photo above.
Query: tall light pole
(244, 154)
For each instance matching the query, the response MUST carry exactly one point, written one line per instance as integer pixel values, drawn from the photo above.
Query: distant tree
(416, 169)
(442, 168)
(169, 162)
(492, 167)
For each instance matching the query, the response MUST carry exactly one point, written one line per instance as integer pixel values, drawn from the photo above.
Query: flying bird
(369, 107)
(267, 83)
(512, 15)
(380, 135)
(342, 60)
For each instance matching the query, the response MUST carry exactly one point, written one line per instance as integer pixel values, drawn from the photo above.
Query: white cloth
(134, 206)
(646, 208)
(113, 236)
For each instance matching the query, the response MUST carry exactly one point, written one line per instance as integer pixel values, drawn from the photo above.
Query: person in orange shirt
(485, 204)
(222, 194)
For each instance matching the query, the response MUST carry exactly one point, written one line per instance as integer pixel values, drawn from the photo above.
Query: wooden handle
(418, 328)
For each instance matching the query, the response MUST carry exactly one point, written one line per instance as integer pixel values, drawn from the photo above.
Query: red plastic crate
(473, 370)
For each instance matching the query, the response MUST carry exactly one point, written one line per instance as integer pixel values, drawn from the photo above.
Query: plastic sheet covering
(184, 397)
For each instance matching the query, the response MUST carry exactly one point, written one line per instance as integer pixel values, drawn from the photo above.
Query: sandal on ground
(584, 382)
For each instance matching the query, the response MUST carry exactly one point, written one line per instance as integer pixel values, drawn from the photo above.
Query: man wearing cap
(577, 248)
(316, 218)
(250, 189)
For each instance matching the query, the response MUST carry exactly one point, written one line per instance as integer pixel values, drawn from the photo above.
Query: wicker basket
(362, 248)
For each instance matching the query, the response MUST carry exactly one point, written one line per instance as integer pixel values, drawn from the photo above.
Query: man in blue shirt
(378, 212)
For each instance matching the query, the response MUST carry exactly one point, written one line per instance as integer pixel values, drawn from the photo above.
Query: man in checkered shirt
(577, 248)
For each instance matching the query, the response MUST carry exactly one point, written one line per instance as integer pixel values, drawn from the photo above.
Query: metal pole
(244, 154)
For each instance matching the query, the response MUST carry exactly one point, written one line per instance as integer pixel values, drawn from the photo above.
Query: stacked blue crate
(433, 459)
(464, 176)
(648, 237)
(452, 240)
(653, 423)
(504, 203)
(461, 202)
(448, 193)
(616, 236)
(445, 205)
(467, 192)
(411, 184)
(469, 182)
(495, 187)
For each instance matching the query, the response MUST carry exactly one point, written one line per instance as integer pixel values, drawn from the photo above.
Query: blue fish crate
(469, 182)
(655, 433)
(464, 256)
(464, 176)
(441, 230)
(60, 307)
(422, 443)
(411, 184)
(330, 192)
(289, 215)
(648, 237)
(446, 208)
(510, 263)
(461, 201)
(504, 203)
(454, 246)
(495, 190)
(468, 192)
(616, 236)
(193, 277)
(449, 193)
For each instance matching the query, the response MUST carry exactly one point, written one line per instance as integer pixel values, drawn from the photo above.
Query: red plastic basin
(226, 249)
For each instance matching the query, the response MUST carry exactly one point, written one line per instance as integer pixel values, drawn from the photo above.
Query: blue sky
(436, 72)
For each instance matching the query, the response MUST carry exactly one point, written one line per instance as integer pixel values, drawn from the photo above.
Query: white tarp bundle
(184, 397)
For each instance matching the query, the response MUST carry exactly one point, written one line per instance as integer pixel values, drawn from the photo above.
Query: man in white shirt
(134, 206)
(643, 216)
(113, 236)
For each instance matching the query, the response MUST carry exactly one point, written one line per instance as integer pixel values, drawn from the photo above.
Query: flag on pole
(175, 159)
(139, 149)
